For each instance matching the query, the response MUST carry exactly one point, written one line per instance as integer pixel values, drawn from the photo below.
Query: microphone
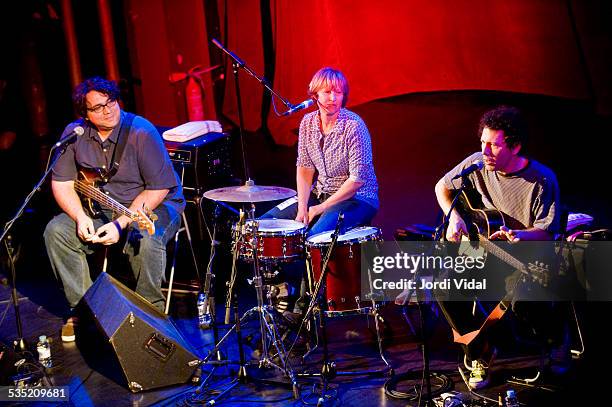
(339, 224)
(305, 104)
(228, 311)
(77, 131)
(476, 165)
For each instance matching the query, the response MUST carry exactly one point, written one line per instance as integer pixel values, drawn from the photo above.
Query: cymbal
(249, 193)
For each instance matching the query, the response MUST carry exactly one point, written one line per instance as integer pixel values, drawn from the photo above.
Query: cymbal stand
(266, 319)
(230, 304)
(267, 325)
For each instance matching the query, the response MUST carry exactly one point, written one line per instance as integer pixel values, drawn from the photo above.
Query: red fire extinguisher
(194, 90)
(193, 95)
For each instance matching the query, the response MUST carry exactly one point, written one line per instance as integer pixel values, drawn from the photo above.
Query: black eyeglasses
(110, 103)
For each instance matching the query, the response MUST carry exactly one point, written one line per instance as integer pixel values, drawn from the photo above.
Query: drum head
(279, 226)
(359, 234)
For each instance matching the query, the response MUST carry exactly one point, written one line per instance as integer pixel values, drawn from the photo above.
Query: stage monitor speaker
(150, 350)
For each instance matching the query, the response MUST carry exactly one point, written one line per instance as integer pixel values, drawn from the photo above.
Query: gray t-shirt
(145, 163)
(530, 197)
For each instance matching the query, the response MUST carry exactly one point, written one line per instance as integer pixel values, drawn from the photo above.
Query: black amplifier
(202, 163)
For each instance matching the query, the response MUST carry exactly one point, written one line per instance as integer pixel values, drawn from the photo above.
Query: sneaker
(492, 357)
(68, 334)
(479, 375)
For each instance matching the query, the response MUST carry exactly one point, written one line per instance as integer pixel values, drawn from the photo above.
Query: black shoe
(561, 356)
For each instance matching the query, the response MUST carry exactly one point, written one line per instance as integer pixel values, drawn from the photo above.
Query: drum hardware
(328, 368)
(268, 329)
(311, 323)
(317, 304)
(250, 193)
(332, 248)
(267, 323)
(279, 241)
(344, 275)
(271, 275)
(269, 333)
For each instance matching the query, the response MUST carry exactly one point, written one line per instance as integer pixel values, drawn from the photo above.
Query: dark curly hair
(104, 86)
(510, 120)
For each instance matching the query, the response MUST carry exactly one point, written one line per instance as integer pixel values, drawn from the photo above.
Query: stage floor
(352, 344)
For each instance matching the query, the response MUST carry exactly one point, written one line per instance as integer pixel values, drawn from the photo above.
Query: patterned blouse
(346, 152)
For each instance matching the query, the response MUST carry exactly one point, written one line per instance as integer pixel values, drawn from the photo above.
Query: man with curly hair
(524, 190)
(140, 174)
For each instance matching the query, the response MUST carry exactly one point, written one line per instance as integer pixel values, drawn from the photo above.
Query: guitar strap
(491, 319)
(124, 132)
(498, 313)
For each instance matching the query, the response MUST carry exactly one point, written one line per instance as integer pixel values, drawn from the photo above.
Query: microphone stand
(231, 302)
(236, 65)
(244, 66)
(20, 343)
(231, 305)
(425, 345)
(208, 289)
(427, 374)
(328, 368)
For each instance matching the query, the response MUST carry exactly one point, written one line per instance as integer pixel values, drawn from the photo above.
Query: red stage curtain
(244, 39)
(396, 47)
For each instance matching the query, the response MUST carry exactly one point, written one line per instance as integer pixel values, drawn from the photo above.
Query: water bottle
(44, 351)
(511, 399)
(203, 315)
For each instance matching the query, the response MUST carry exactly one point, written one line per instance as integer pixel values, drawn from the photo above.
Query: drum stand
(312, 322)
(328, 368)
(267, 324)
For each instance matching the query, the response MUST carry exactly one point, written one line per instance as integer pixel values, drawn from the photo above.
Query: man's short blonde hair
(329, 78)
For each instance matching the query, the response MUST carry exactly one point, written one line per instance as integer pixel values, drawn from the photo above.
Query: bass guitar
(88, 185)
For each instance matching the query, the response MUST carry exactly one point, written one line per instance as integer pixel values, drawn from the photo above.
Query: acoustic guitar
(481, 224)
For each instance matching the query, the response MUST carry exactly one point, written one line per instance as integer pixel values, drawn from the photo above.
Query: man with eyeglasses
(131, 152)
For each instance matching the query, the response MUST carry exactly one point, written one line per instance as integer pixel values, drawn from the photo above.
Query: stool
(184, 227)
